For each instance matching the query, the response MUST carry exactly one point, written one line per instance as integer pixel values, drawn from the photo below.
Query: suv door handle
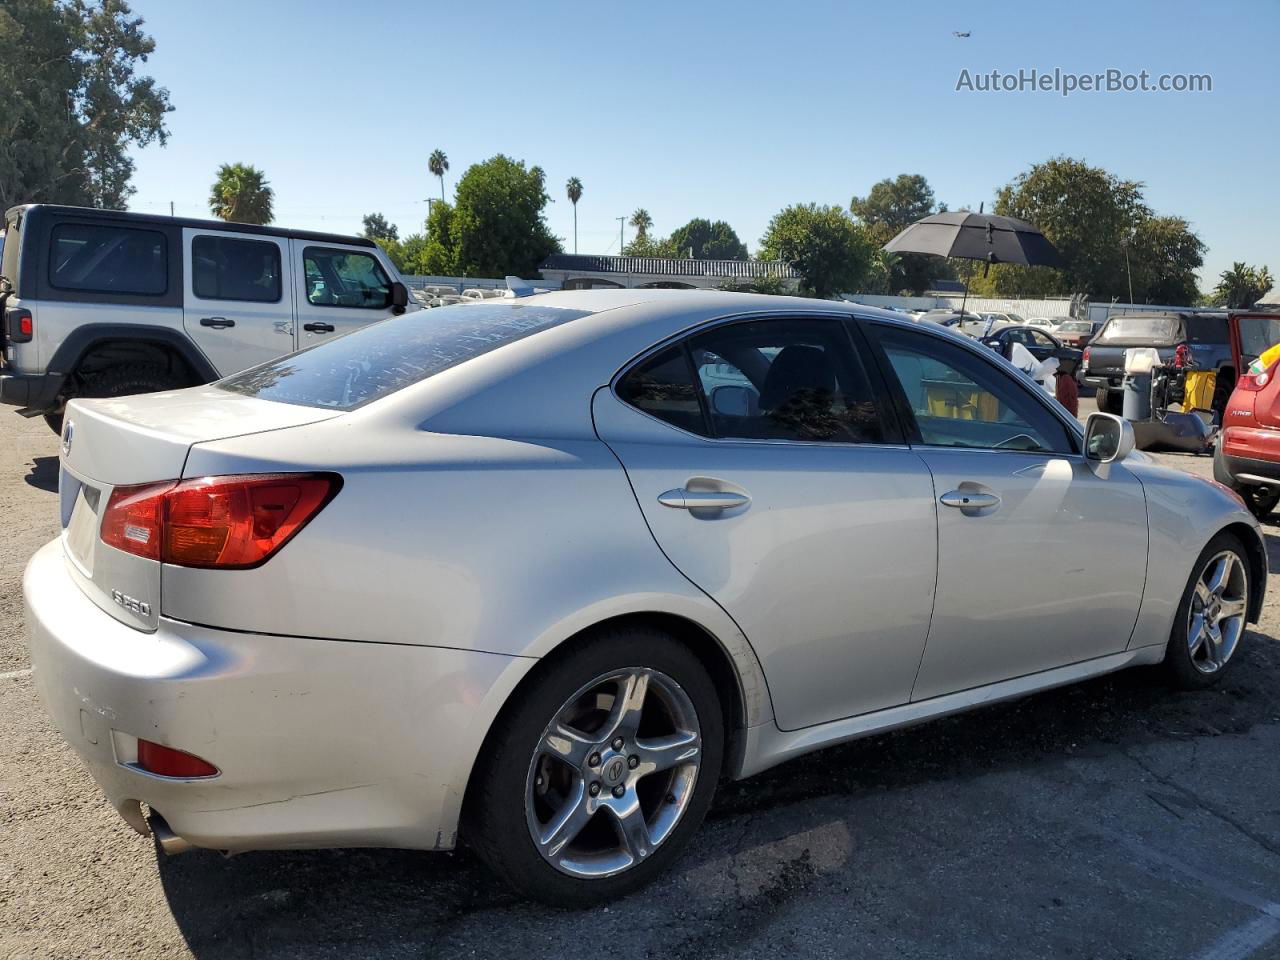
(319, 327)
(218, 323)
(969, 500)
(682, 499)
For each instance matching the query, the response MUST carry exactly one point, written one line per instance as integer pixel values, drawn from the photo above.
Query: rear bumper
(318, 743)
(35, 393)
(1103, 382)
(1251, 455)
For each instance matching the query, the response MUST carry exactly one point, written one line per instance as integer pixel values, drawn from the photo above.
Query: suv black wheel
(600, 771)
(1109, 401)
(121, 381)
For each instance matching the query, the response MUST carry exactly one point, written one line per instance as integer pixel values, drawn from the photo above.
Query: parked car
(1011, 319)
(1204, 333)
(1045, 323)
(1076, 333)
(1247, 455)
(99, 303)
(1040, 343)
(517, 572)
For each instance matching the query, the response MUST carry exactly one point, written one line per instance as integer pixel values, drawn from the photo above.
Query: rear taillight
(19, 325)
(230, 523)
(1256, 380)
(1084, 359)
(168, 762)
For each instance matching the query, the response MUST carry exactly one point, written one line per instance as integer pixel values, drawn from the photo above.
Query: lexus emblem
(67, 431)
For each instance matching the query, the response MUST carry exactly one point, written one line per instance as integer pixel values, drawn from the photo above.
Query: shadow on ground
(43, 474)
(380, 903)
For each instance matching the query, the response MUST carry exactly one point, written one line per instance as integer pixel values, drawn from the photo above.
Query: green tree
(412, 250)
(831, 252)
(704, 240)
(573, 188)
(647, 246)
(1085, 212)
(439, 255)
(1242, 286)
(889, 208)
(497, 225)
(641, 222)
(73, 105)
(377, 227)
(438, 164)
(1164, 256)
(241, 194)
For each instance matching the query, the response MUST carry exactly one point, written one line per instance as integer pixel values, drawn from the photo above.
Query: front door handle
(318, 327)
(969, 500)
(682, 499)
(218, 323)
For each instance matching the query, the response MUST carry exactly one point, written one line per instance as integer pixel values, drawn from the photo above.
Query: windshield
(380, 359)
(1155, 329)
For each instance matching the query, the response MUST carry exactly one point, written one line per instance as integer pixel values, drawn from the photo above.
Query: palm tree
(574, 189)
(241, 193)
(438, 164)
(641, 221)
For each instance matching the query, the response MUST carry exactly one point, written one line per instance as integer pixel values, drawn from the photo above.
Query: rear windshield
(385, 357)
(1075, 326)
(1137, 329)
(1258, 335)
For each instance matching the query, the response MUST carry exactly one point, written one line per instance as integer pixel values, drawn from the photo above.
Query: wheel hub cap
(1219, 606)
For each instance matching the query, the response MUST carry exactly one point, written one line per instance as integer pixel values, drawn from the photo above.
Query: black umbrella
(977, 236)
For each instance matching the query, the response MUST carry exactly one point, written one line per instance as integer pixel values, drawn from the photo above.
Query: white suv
(100, 303)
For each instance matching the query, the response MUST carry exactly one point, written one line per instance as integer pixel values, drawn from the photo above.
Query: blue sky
(724, 110)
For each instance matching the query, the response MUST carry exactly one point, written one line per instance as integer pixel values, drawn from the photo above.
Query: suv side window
(104, 258)
(785, 379)
(345, 278)
(227, 268)
(960, 400)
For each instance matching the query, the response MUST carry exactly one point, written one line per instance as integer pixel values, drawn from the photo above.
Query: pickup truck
(1205, 334)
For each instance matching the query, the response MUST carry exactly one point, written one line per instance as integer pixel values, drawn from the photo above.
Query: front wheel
(601, 771)
(1109, 401)
(1210, 622)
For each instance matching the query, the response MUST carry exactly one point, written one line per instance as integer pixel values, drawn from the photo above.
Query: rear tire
(121, 381)
(1109, 401)
(1210, 623)
(520, 788)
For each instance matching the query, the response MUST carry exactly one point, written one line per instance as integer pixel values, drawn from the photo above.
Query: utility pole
(621, 242)
(171, 208)
(1124, 242)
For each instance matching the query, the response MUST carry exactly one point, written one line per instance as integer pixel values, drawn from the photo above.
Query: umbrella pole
(965, 299)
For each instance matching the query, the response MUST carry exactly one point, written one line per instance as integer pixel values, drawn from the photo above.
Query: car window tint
(785, 379)
(388, 356)
(108, 259)
(345, 278)
(226, 268)
(960, 400)
(662, 386)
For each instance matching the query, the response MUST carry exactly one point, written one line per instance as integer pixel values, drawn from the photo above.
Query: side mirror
(399, 297)
(1108, 438)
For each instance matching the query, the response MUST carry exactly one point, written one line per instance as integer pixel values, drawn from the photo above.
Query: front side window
(103, 258)
(227, 268)
(345, 278)
(960, 400)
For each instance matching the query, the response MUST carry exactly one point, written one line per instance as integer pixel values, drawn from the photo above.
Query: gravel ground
(1113, 819)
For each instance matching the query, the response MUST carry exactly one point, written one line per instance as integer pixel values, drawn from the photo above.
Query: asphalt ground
(1113, 819)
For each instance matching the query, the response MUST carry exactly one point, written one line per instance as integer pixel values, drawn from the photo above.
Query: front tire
(1211, 619)
(601, 770)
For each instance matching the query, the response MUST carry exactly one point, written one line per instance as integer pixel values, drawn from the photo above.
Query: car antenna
(521, 288)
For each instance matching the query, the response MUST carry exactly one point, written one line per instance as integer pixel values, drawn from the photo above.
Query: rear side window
(12, 240)
(386, 357)
(663, 387)
(345, 278)
(103, 258)
(1205, 329)
(226, 268)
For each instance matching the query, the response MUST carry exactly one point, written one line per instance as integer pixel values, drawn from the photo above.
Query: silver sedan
(540, 573)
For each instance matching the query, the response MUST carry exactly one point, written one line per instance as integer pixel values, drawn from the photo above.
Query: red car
(1247, 455)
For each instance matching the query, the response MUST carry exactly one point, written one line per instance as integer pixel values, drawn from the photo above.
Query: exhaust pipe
(169, 841)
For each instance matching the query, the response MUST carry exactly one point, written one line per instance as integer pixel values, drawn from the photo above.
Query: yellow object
(1199, 390)
(1266, 361)
(965, 401)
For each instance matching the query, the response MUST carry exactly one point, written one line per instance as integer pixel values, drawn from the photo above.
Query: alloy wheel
(1219, 605)
(613, 773)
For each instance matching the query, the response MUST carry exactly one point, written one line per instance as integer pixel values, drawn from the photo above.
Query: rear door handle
(969, 500)
(218, 323)
(682, 499)
(318, 327)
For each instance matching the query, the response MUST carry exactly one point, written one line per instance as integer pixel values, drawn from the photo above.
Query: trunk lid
(126, 441)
